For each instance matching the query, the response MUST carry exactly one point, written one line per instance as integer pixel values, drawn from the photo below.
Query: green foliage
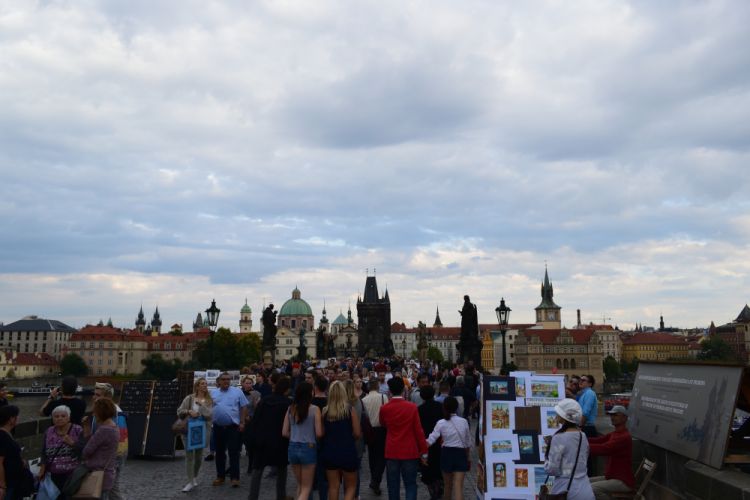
(434, 355)
(512, 367)
(714, 348)
(73, 364)
(158, 368)
(611, 367)
(630, 367)
(11, 373)
(231, 352)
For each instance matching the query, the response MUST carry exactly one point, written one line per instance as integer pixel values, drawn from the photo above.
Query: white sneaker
(195, 481)
(188, 487)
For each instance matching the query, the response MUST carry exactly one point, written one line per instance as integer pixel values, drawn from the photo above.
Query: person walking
(303, 427)
(197, 405)
(341, 431)
(567, 452)
(375, 450)
(100, 452)
(59, 454)
(430, 413)
(405, 441)
(104, 390)
(253, 398)
(271, 447)
(358, 408)
(454, 453)
(228, 416)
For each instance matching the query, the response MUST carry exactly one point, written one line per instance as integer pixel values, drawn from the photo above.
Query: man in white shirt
(376, 450)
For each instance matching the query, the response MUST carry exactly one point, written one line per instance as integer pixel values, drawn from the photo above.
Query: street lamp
(503, 313)
(212, 314)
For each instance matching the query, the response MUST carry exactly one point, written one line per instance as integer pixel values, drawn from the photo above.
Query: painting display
(520, 412)
(499, 388)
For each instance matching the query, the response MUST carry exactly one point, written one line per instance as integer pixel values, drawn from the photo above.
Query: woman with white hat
(567, 452)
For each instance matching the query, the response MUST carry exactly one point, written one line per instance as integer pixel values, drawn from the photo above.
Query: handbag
(91, 486)
(544, 493)
(180, 425)
(48, 490)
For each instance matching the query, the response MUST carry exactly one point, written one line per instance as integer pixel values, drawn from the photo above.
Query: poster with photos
(522, 385)
(500, 417)
(501, 448)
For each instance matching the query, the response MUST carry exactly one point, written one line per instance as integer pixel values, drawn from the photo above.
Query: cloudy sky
(171, 152)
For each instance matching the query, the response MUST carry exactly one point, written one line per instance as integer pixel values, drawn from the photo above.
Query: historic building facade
(34, 334)
(374, 321)
(570, 352)
(656, 346)
(295, 317)
(547, 312)
(246, 318)
(108, 350)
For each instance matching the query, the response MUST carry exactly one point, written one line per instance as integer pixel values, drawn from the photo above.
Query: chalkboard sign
(136, 396)
(166, 399)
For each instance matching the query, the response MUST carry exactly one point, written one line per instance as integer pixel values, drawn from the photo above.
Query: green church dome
(295, 306)
(246, 309)
(341, 320)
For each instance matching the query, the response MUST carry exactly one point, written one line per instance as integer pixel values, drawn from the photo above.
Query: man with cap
(617, 446)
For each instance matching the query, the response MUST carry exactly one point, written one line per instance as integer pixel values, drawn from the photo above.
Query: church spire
(437, 322)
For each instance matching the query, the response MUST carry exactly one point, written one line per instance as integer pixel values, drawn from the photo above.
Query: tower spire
(437, 322)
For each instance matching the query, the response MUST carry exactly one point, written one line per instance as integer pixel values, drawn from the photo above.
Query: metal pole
(211, 350)
(504, 368)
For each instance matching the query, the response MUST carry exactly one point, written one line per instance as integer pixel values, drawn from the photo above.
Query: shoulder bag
(544, 493)
(180, 425)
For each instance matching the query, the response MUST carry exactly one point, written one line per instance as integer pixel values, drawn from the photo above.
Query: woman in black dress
(429, 413)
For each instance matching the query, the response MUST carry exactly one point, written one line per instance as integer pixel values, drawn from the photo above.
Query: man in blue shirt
(586, 397)
(229, 413)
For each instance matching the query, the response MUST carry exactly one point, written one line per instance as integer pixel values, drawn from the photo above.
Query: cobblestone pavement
(165, 477)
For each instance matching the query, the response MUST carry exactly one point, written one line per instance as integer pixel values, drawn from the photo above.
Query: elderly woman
(567, 452)
(59, 454)
(100, 452)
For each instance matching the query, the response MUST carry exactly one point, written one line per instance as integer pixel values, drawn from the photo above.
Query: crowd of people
(74, 442)
(321, 418)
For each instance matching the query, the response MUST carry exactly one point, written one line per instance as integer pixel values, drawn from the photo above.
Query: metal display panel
(685, 408)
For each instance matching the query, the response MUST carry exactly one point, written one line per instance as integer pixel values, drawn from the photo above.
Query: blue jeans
(395, 470)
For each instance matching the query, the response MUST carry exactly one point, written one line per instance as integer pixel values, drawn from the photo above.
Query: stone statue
(469, 345)
(269, 328)
(320, 343)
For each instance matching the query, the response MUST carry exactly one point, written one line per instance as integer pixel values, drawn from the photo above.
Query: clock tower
(547, 313)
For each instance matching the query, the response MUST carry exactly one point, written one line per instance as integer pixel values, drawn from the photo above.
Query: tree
(714, 348)
(230, 351)
(156, 367)
(73, 364)
(611, 368)
(512, 367)
(435, 355)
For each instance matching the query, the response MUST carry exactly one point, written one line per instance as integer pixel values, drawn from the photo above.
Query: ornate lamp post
(212, 315)
(503, 313)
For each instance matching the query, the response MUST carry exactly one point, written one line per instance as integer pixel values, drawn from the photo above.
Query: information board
(151, 408)
(685, 408)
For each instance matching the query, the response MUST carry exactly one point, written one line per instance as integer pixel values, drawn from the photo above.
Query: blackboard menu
(136, 396)
(166, 399)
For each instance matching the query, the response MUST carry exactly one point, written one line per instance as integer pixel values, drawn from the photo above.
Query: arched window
(559, 363)
(565, 364)
(573, 364)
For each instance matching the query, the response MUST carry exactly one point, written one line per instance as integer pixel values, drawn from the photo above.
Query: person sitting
(617, 446)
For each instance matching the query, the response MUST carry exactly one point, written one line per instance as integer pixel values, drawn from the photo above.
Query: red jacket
(618, 446)
(404, 436)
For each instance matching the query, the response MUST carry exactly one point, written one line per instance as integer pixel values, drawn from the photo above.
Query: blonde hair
(195, 388)
(338, 403)
(349, 386)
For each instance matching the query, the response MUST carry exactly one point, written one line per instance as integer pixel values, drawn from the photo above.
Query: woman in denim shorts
(303, 427)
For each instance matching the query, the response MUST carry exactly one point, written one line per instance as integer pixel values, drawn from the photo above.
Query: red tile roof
(31, 358)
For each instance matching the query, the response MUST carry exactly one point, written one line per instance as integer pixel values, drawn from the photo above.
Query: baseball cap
(618, 409)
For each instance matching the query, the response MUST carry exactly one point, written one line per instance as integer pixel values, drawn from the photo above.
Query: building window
(572, 364)
(294, 323)
(565, 364)
(558, 363)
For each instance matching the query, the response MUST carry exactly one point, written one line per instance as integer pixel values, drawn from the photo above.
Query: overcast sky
(171, 152)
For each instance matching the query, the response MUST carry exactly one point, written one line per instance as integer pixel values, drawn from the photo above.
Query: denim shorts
(302, 453)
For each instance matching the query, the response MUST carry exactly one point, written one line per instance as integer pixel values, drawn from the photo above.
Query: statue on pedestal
(269, 329)
(469, 345)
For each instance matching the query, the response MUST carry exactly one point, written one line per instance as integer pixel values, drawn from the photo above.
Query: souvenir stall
(517, 413)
